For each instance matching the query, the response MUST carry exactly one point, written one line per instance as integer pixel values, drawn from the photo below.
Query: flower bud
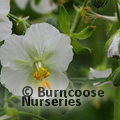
(99, 3)
(113, 45)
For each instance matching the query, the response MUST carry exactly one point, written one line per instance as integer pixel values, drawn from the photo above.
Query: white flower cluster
(43, 6)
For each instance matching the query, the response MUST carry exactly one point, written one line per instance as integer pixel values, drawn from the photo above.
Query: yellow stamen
(48, 85)
(86, 8)
(47, 74)
(44, 84)
(92, 27)
(87, 20)
(83, 12)
(42, 69)
(39, 85)
(37, 75)
(40, 75)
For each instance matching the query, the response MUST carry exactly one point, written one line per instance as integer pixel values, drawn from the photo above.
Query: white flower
(113, 49)
(21, 3)
(38, 58)
(44, 6)
(99, 74)
(5, 24)
(4, 6)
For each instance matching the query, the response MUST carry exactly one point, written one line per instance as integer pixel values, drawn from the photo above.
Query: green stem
(117, 10)
(5, 98)
(31, 115)
(116, 103)
(12, 16)
(77, 19)
(115, 64)
(75, 23)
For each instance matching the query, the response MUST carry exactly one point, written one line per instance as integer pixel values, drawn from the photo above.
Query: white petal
(16, 80)
(5, 27)
(62, 53)
(99, 74)
(55, 48)
(21, 3)
(39, 37)
(4, 7)
(114, 47)
(13, 50)
(58, 80)
(43, 7)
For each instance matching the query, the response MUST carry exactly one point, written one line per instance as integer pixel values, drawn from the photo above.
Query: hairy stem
(115, 64)
(117, 10)
(77, 19)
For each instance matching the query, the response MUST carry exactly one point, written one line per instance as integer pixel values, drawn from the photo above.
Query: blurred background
(91, 109)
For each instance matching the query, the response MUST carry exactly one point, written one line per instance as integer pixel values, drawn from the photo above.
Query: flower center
(40, 75)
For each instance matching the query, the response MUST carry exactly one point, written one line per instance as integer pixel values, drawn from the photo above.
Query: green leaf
(87, 80)
(79, 48)
(108, 43)
(115, 77)
(13, 99)
(64, 20)
(85, 33)
(11, 111)
(114, 27)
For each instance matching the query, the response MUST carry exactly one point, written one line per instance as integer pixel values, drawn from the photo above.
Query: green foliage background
(81, 62)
